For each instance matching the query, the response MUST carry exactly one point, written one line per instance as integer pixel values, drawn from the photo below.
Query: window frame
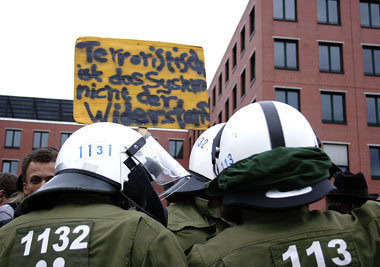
(176, 141)
(283, 17)
(329, 46)
(370, 20)
(252, 63)
(286, 91)
(41, 138)
(332, 110)
(336, 144)
(284, 52)
(377, 148)
(327, 12)
(227, 71)
(10, 161)
(243, 85)
(227, 109)
(372, 50)
(242, 40)
(13, 145)
(252, 24)
(377, 109)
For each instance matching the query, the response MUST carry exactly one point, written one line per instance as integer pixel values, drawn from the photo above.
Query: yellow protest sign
(140, 83)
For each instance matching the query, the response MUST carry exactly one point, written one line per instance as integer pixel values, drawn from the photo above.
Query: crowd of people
(243, 201)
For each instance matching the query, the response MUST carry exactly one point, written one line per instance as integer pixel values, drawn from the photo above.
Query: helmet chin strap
(140, 192)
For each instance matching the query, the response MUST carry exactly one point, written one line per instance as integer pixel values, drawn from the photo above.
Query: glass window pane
(290, 10)
(335, 59)
(9, 138)
(333, 12)
(326, 107)
(279, 55)
(14, 167)
(291, 55)
(375, 15)
(293, 99)
(377, 61)
(364, 14)
(36, 139)
(278, 9)
(323, 58)
(172, 148)
(45, 140)
(375, 161)
(179, 149)
(378, 109)
(321, 6)
(367, 57)
(371, 110)
(6, 166)
(280, 96)
(337, 153)
(338, 108)
(17, 139)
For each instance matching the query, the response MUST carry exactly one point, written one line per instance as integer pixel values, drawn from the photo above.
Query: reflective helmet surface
(200, 157)
(200, 163)
(104, 147)
(260, 127)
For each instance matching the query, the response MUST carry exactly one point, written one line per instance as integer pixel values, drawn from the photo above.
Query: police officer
(270, 169)
(80, 217)
(193, 216)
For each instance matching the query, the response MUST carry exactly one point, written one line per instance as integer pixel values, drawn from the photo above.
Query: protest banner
(140, 83)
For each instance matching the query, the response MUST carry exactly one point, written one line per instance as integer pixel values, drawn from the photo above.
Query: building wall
(307, 79)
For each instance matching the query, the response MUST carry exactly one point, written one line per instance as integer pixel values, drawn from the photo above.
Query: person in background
(351, 192)
(193, 216)
(270, 170)
(82, 216)
(37, 169)
(7, 189)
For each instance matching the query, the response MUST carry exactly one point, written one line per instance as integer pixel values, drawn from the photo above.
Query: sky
(37, 37)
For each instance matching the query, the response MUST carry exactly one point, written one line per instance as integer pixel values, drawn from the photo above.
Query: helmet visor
(162, 167)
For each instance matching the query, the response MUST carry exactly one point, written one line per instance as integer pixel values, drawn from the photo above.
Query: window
(284, 10)
(328, 11)
(375, 162)
(176, 148)
(213, 97)
(10, 166)
(242, 40)
(338, 154)
(12, 138)
(220, 84)
(370, 14)
(40, 139)
(242, 83)
(64, 137)
(234, 98)
(234, 56)
(330, 58)
(252, 21)
(288, 96)
(227, 70)
(373, 110)
(253, 66)
(333, 107)
(371, 57)
(286, 54)
(227, 109)
(220, 117)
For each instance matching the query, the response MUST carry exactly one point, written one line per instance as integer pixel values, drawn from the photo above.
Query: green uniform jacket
(87, 231)
(193, 222)
(297, 237)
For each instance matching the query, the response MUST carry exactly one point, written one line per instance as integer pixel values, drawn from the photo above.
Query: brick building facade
(320, 56)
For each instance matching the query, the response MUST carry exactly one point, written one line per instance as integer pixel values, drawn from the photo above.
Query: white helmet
(261, 127)
(107, 158)
(201, 166)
